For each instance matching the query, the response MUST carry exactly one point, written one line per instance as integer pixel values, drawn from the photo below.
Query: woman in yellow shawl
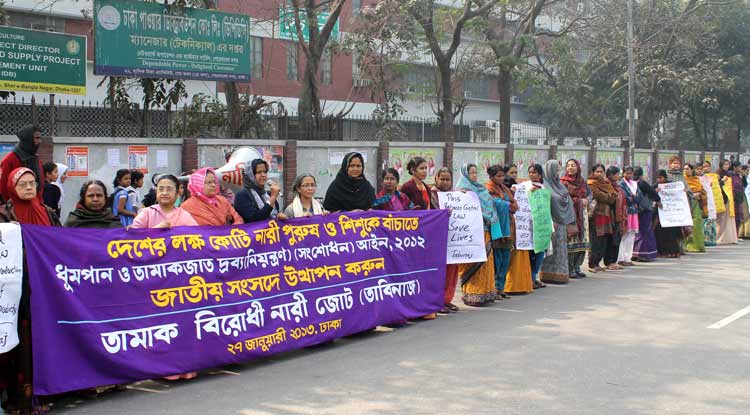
(711, 181)
(698, 208)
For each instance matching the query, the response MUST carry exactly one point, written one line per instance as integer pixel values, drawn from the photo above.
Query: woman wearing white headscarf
(555, 267)
(62, 175)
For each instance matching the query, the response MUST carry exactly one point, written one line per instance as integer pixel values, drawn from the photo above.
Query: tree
(313, 40)
(427, 14)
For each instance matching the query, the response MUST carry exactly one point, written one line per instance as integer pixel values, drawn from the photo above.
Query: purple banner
(118, 306)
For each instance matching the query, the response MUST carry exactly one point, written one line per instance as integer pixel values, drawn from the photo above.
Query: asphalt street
(629, 342)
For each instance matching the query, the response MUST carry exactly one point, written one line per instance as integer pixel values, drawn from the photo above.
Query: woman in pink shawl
(205, 204)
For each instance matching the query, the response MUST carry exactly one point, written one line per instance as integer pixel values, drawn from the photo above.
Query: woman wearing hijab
(253, 202)
(350, 189)
(726, 228)
(578, 242)
(444, 183)
(415, 188)
(602, 224)
(23, 206)
(205, 205)
(506, 207)
(23, 155)
(518, 280)
(556, 268)
(304, 203)
(478, 279)
(91, 210)
(644, 248)
(699, 209)
(632, 200)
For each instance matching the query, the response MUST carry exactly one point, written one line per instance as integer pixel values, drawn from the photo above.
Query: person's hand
(281, 216)
(659, 205)
(163, 225)
(325, 212)
(585, 202)
(658, 189)
(275, 190)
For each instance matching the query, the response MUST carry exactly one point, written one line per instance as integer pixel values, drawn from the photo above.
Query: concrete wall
(102, 168)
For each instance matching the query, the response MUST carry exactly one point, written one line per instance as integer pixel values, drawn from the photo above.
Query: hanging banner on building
(524, 238)
(151, 40)
(41, 61)
(144, 303)
(138, 158)
(78, 161)
(541, 217)
(11, 277)
(465, 228)
(675, 210)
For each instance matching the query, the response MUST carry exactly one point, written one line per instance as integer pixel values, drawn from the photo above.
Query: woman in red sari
(25, 208)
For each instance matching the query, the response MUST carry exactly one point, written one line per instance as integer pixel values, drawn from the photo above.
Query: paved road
(628, 342)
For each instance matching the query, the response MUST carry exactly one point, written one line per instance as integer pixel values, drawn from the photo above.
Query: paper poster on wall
(675, 209)
(138, 158)
(6, 148)
(11, 272)
(664, 160)
(162, 159)
(486, 159)
(335, 158)
(113, 157)
(644, 161)
(465, 227)
(398, 158)
(609, 158)
(523, 158)
(582, 156)
(78, 161)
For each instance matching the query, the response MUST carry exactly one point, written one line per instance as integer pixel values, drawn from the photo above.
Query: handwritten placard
(710, 202)
(675, 209)
(524, 233)
(541, 217)
(465, 228)
(11, 271)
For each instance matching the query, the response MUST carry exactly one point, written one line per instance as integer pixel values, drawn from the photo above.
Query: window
(420, 80)
(356, 6)
(478, 86)
(326, 67)
(292, 61)
(37, 22)
(256, 57)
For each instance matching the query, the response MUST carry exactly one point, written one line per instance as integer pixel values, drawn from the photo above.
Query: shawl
(605, 196)
(632, 198)
(299, 210)
(695, 185)
(393, 202)
(61, 169)
(561, 204)
(489, 213)
(84, 218)
(197, 182)
(713, 179)
(258, 193)
(434, 202)
(621, 208)
(207, 214)
(31, 212)
(506, 206)
(575, 184)
(349, 193)
(25, 150)
(415, 195)
(678, 175)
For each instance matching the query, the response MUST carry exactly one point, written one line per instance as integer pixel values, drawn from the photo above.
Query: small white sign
(675, 209)
(11, 277)
(465, 227)
(524, 224)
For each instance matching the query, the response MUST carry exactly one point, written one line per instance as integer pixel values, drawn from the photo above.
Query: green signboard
(151, 40)
(38, 61)
(287, 29)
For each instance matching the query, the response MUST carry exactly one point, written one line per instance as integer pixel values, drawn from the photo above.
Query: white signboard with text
(465, 227)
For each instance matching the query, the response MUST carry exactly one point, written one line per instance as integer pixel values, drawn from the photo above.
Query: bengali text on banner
(128, 305)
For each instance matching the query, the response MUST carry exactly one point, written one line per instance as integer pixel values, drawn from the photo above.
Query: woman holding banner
(644, 248)
(25, 208)
(699, 209)
(506, 206)
(603, 223)
(91, 210)
(518, 279)
(478, 279)
(444, 183)
(350, 189)
(578, 243)
(390, 198)
(556, 268)
(304, 203)
(726, 228)
(205, 205)
(535, 182)
(253, 202)
(668, 240)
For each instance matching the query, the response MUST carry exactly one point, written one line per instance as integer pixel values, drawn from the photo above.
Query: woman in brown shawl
(603, 223)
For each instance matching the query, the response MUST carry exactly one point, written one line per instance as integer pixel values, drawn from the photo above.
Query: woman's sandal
(454, 308)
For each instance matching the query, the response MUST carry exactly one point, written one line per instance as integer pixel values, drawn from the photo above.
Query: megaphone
(231, 174)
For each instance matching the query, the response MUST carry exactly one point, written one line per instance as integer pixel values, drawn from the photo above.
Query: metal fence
(94, 119)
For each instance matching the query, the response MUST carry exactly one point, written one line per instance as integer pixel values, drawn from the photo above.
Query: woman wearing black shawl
(350, 189)
(253, 202)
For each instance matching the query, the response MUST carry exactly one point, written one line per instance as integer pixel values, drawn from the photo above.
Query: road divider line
(728, 320)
